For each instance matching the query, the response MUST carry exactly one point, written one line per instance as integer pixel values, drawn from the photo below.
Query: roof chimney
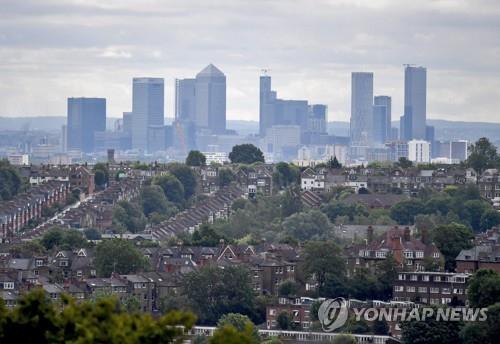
(407, 234)
(369, 234)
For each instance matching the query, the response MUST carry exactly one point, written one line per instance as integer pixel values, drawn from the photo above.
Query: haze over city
(53, 50)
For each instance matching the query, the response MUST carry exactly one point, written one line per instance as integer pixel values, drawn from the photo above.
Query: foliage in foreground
(37, 320)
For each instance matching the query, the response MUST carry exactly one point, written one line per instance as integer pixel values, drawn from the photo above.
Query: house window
(413, 278)
(435, 255)
(402, 277)
(408, 254)
(93, 273)
(425, 278)
(434, 290)
(8, 285)
(419, 254)
(39, 262)
(422, 289)
(380, 254)
(410, 289)
(437, 278)
(398, 288)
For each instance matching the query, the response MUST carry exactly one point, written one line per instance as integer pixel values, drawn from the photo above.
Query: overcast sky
(51, 50)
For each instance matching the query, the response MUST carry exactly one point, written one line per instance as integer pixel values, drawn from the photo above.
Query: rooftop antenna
(408, 65)
(265, 71)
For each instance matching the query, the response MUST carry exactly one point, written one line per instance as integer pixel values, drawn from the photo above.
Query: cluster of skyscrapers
(288, 129)
(200, 107)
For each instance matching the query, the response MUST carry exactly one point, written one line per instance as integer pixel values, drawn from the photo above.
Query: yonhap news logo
(333, 314)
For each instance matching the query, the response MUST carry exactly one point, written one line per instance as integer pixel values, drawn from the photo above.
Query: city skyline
(310, 56)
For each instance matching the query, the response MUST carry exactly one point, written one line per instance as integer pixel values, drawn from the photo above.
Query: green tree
(483, 155)
(322, 258)
(344, 339)
(92, 234)
(334, 163)
(118, 255)
(450, 240)
(153, 199)
(471, 212)
(291, 202)
(483, 332)
(101, 174)
(27, 249)
(405, 212)
(196, 158)
(224, 291)
(380, 327)
(10, 181)
(286, 174)
(430, 331)
(289, 288)
(246, 154)
(226, 176)
(64, 239)
(172, 187)
(230, 335)
(309, 225)
(240, 322)
(489, 219)
(284, 321)
(404, 163)
(37, 320)
(186, 176)
(129, 215)
(206, 235)
(484, 288)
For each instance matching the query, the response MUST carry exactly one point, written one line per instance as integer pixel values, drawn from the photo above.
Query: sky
(51, 50)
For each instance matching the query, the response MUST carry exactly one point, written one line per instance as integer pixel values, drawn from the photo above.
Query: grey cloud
(53, 49)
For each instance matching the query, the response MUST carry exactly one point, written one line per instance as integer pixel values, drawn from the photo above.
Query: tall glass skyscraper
(185, 99)
(147, 109)
(210, 94)
(415, 107)
(361, 109)
(381, 119)
(85, 117)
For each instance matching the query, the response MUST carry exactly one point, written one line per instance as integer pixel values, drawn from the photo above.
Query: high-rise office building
(275, 111)
(147, 109)
(185, 99)
(384, 113)
(317, 119)
(361, 108)
(127, 122)
(413, 122)
(210, 95)
(419, 151)
(86, 116)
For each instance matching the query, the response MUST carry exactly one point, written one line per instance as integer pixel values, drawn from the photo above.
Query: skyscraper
(265, 104)
(275, 111)
(415, 113)
(210, 95)
(86, 116)
(382, 112)
(185, 99)
(361, 108)
(147, 109)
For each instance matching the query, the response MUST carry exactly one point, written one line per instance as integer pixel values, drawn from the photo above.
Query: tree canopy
(196, 158)
(483, 155)
(36, 319)
(10, 181)
(120, 256)
(246, 154)
(224, 291)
